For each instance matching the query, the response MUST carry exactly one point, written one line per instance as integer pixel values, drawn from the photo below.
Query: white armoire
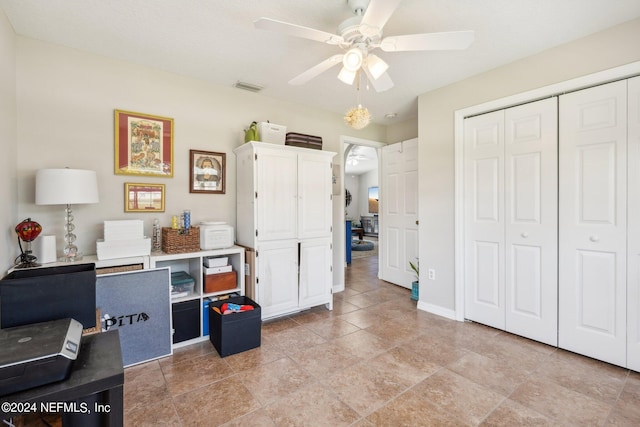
(284, 213)
(552, 221)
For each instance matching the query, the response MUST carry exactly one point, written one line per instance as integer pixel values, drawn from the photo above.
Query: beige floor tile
(628, 403)
(332, 328)
(293, 340)
(501, 378)
(160, 413)
(436, 349)
(216, 403)
(194, 373)
(460, 397)
(266, 353)
(411, 409)
(259, 418)
(325, 359)
(511, 414)
(314, 406)
(363, 344)
(596, 379)
(275, 380)
(560, 403)
(145, 388)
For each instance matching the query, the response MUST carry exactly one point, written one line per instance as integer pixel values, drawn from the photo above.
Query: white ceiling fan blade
(380, 84)
(378, 13)
(316, 70)
(297, 31)
(451, 40)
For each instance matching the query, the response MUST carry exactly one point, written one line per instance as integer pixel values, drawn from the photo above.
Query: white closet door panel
(633, 248)
(531, 228)
(593, 229)
(484, 219)
(276, 195)
(315, 214)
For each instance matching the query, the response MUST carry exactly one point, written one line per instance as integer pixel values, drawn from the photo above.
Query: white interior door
(399, 212)
(484, 219)
(592, 222)
(531, 217)
(633, 226)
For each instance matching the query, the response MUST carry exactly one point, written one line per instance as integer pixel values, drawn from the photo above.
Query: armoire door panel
(593, 231)
(315, 214)
(633, 226)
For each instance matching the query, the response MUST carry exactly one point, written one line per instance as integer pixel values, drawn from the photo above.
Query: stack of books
(123, 239)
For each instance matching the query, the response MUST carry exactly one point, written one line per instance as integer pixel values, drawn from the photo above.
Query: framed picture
(143, 144)
(143, 197)
(208, 172)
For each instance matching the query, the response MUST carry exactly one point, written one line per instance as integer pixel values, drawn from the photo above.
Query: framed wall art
(143, 144)
(143, 197)
(208, 172)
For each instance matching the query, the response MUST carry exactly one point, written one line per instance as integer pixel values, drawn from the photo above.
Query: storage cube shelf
(192, 264)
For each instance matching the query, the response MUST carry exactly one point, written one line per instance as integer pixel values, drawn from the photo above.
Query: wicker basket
(175, 242)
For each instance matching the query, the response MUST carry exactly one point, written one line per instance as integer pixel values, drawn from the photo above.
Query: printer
(36, 354)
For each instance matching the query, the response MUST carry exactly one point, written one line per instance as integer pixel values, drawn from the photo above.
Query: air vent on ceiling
(248, 86)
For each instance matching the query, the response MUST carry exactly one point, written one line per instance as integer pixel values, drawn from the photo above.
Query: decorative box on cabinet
(285, 214)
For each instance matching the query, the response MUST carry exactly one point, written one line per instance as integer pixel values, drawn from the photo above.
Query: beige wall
(8, 142)
(402, 131)
(66, 100)
(610, 48)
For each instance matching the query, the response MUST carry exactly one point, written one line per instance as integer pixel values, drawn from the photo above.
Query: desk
(97, 377)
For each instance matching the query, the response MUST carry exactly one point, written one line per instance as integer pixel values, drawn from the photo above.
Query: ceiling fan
(361, 34)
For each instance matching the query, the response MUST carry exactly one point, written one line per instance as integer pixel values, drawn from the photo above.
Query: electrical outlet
(432, 274)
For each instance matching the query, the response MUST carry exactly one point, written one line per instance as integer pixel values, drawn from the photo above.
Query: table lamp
(67, 187)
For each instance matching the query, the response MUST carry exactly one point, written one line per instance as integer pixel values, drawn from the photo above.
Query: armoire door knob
(594, 238)
(525, 235)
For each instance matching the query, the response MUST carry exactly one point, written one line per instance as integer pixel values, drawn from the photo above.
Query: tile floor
(376, 360)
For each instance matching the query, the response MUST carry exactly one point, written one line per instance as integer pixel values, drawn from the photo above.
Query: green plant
(416, 268)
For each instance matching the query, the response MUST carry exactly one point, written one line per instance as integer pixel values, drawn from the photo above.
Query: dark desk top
(98, 368)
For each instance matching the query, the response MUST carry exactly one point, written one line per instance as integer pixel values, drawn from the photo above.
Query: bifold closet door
(511, 220)
(531, 211)
(592, 222)
(484, 219)
(633, 218)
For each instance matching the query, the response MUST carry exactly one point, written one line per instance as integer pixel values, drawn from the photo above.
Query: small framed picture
(143, 144)
(208, 172)
(143, 197)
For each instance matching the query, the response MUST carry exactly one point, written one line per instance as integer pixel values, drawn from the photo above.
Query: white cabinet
(284, 212)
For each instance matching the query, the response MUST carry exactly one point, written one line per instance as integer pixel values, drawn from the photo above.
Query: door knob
(525, 235)
(594, 238)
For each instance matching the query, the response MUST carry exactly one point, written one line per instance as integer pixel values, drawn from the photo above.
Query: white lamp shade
(347, 76)
(66, 187)
(377, 66)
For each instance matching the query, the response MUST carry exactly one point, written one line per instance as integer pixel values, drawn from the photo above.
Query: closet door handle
(525, 235)
(594, 238)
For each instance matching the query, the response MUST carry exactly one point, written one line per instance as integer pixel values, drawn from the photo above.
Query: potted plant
(415, 285)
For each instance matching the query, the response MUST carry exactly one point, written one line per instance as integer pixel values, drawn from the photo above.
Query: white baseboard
(437, 310)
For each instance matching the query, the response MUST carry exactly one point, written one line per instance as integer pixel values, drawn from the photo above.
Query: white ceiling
(214, 40)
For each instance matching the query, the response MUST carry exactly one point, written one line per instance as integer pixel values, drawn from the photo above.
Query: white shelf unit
(192, 263)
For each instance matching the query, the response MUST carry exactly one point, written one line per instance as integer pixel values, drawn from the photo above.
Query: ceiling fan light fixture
(377, 66)
(347, 76)
(353, 59)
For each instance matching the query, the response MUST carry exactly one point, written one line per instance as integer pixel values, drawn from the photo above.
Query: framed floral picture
(143, 144)
(143, 197)
(208, 172)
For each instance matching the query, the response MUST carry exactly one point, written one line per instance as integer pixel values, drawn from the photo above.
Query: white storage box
(215, 261)
(122, 248)
(215, 235)
(272, 133)
(217, 270)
